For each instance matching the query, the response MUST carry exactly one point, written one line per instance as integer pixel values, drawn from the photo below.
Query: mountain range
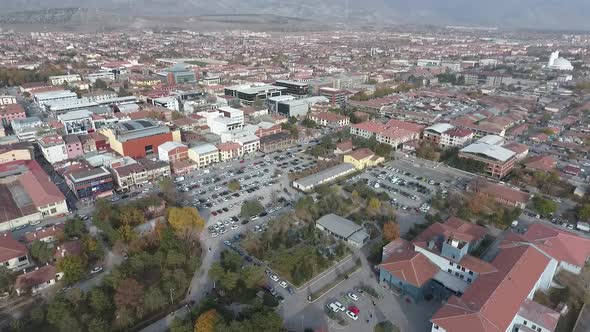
(536, 14)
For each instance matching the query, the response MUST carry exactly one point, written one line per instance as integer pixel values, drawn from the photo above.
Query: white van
(179, 179)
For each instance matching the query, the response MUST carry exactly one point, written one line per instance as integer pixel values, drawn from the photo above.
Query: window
(538, 329)
(434, 326)
(456, 274)
(524, 323)
(469, 280)
(534, 326)
(463, 269)
(471, 272)
(450, 271)
(461, 276)
(22, 258)
(451, 263)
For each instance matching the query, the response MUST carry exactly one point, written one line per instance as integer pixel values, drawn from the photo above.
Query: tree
(177, 115)
(179, 325)
(41, 251)
(207, 321)
(426, 150)
(234, 185)
(131, 216)
(308, 123)
(390, 231)
(584, 211)
(253, 276)
(60, 315)
(98, 325)
(6, 279)
(92, 248)
(99, 84)
(129, 295)
(216, 271)
(186, 222)
(75, 227)
(99, 302)
(383, 150)
(544, 206)
(230, 260)
(251, 208)
(374, 203)
(154, 299)
(168, 189)
(73, 267)
(127, 233)
(230, 280)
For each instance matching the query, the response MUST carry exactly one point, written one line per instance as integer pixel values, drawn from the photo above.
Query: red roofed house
(540, 163)
(329, 119)
(343, 147)
(13, 254)
(49, 234)
(37, 280)
(363, 158)
(502, 194)
(229, 150)
(572, 170)
(394, 133)
(441, 253)
(70, 248)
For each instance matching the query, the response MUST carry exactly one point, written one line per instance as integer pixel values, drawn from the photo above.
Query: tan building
(16, 151)
(363, 158)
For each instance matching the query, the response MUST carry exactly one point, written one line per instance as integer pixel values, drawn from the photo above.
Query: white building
(170, 103)
(7, 100)
(250, 143)
(77, 122)
(43, 98)
(557, 63)
(61, 79)
(53, 148)
(26, 129)
(103, 75)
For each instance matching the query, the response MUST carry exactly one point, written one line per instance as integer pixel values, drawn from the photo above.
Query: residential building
(11, 112)
(172, 151)
(363, 158)
(344, 147)
(155, 170)
(502, 194)
(499, 161)
(13, 254)
(90, 183)
(249, 143)
(43, 98)
(204, 155)
(73, 146)
(7, 100)
(16, 151)
(47, 234)
(327, 175)
(446, 135)
(27, 130)
(329, 119)
(229, 151)
(53, 148)
(37, 280)
(335, 96)
(394, 133)
(540, 163)
(102, 75)
(129, 176)
(77, 122)
(274, 142)
(138, 138)
(343, 229)
(61, 79)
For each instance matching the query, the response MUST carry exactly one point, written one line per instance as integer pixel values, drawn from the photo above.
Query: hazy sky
(552, 14)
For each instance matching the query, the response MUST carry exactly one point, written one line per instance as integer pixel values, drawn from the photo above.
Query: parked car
(274, 277)
(283, 284)
(351, 315)
(96, 270)
(353, 296)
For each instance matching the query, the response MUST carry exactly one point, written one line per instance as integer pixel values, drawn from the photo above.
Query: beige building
(204, 155)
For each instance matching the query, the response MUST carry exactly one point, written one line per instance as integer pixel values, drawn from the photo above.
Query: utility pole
(171, 300)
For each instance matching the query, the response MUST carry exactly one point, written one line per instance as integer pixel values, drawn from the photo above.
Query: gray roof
(314, 179)
(338, 225)
(292, 82)
(491, 151)
(129, 130)
(90, 174)
(205, 149)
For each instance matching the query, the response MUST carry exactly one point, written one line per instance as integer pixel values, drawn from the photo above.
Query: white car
(353, 296)
(283, 284)
(234, 226)
(351, 315)
(274, 277)
(96, 270)
(35, 222)
(332, 307)
(340, 306)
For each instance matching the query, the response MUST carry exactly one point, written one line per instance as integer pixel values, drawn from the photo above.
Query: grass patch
(341, 276)
(386, 326)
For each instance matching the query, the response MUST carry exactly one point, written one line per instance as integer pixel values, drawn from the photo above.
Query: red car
(354, 310)
(214, 213)
(242, 161)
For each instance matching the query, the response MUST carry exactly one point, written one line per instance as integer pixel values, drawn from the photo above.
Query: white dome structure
(557, 63)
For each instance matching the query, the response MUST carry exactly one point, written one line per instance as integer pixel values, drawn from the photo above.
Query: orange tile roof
(409, 265)
(561, 245)
(10, 248)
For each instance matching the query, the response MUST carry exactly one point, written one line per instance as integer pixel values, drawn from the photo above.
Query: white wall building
(53, 148)
(61, 79)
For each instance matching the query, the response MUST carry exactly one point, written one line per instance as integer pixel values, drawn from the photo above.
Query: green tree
(308, 123)
(234, 185)
(98, 325)
(584, 211)
(41, 251)
(251, 208)
(99, 84)
(154, 299)
(131, 216)
(61, 316)
(75, 227)
(127, 233)
(179, 325)
(6, 279)
(230, 280)
(216, 271)
(544, 206)
(168, 189)
(73, 267)
(230, 260)
(253, 276)
(99, 302)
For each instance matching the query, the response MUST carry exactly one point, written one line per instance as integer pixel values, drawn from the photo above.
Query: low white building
(53, 148)
(250, 143)
(61, 79)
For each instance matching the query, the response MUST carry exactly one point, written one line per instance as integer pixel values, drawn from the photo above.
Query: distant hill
(544, 14)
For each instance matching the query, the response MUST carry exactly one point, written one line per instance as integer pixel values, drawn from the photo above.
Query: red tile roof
(372, 127)
(10, 248)
(40, 187)
(540, 314)
(36, 277)
(458, 132)
(541, 163)
(493, 299)
(409, 265)
(360, 154)
(561, 245)
(500, 191)
(228, 146)
(409, 126)
(344, 146)
(70, 248)
(55, 231)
